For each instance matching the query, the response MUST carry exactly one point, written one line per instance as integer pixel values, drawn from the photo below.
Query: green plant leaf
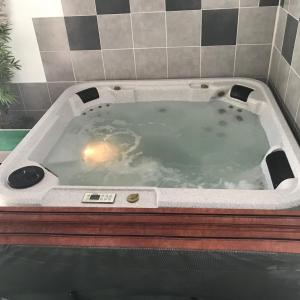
(8, 65)
(7, 97)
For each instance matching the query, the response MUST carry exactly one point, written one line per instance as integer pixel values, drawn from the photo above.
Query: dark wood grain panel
(201, 229)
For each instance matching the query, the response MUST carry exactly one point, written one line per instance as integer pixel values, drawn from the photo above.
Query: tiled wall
(144, 39)
(285, 63)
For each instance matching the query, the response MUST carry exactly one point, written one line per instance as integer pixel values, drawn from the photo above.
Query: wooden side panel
(201, 229)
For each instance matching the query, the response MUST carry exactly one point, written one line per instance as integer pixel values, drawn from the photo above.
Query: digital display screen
(94, 197)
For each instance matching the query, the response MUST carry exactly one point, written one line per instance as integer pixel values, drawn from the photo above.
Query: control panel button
(107, 198)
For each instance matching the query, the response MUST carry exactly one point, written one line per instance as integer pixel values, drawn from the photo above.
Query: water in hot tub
(162, 144)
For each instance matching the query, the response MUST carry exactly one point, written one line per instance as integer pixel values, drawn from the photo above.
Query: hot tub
(211, 143)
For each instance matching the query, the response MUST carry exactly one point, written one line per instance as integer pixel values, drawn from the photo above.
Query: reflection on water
(98, 153)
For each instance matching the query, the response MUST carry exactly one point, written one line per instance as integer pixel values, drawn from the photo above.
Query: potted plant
(8, 63)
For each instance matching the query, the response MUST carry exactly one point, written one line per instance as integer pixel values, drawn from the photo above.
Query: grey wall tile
(32, 117)
(296, 54)
(268, 2)
(57, 66)
(249, 3)
(293, 93)
(149, 30)
(294, 8)
(256, 25)
(289, 38)
(285, 4)
(119, 64)
(298, 119)
(212, 4)
(184, 62)
(51, 34)
(87, 65)
(183, 4)
(282, 77)
(146, 5)
(83, 32)
(217, 61)
(112, 6)
(184, 28)
(253, 61)
(279, 35)
(35, 96)
(14, 119)
(57, 88)
(219, 27)
(115, 31)
(151, 63)
(279, 67)
(78, 7)
(274, 66)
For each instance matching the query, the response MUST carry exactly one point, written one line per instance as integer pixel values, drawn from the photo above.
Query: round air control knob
(25, 177)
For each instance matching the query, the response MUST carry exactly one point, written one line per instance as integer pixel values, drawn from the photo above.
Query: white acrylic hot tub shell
(49, 192)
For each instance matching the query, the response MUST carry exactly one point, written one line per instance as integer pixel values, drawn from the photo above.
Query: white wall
(24, 44)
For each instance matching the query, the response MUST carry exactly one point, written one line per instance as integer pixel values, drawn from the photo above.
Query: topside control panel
(107, 198)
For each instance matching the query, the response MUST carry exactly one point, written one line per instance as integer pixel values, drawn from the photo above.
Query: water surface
(162, 144)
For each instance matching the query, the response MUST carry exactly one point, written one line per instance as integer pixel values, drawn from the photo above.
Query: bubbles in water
(162, 110)
(222, 123)
(221, 134)
(222, 111)
(221, 93)
(208, 129)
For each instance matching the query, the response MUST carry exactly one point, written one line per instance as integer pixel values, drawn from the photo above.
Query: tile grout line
(277, 68)
(297, 111)
(273, 41)
(277, 71)
(200, 50)
(200, 47)
(133, 46)
(281, 56)
(288, 81)
(162, 11)
(236, 42)
(200, 60)
(162, 47)
(22, 97)
(289, 13)
(71, 59)
(287, 85)
(167, 54)
(102, 56)
(295, 71)
(30, 110)
(277, 94)
(49, 93)
(103, 65)
(292, 69)
(18, 87)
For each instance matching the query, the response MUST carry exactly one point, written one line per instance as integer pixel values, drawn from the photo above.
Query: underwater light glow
(100, 152)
